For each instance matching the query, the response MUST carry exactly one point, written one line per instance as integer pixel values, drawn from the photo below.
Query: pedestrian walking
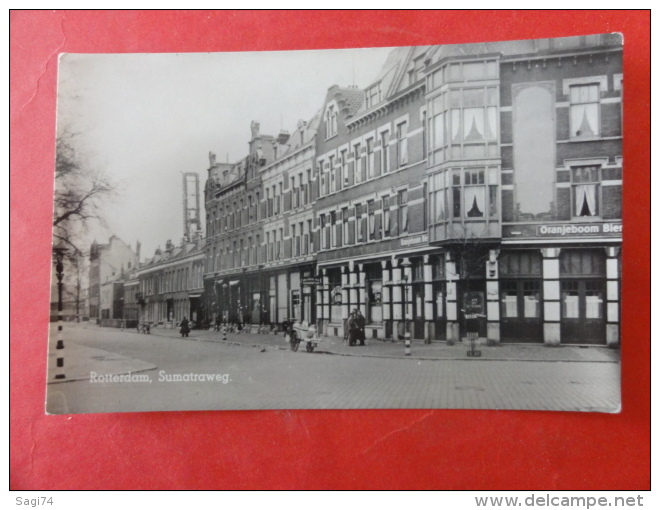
(185, 327)
(353, 331)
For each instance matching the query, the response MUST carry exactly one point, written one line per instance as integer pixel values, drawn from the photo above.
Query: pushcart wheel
(294, 343)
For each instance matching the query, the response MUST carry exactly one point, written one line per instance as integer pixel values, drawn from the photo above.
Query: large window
(402, 144)
(585, 185)
(463, 124)
(386, 216)
(358, 163)
(585, 111)
(403, 212)
(521, 299)
(385, 152)
(370, 158)
(474, 194)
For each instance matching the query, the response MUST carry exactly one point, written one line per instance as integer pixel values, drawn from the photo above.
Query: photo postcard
(431, 227)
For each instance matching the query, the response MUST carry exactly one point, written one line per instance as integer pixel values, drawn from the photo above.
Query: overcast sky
(143, 119)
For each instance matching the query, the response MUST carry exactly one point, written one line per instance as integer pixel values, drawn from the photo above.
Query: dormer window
(330, 121)
(373, 96)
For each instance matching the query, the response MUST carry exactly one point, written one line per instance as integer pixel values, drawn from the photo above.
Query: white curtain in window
(473, 124)
(585, 195)
(456, 125)
(532, 306)
(440, 205)
(571, 307)
(584, 120)
(439, 304)
(475, 201)
(594, 308)
(510, 306)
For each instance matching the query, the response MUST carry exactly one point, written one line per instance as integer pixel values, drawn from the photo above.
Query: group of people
(355, 330)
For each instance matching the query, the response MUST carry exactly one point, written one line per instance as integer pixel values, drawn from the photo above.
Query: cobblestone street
(262, 376)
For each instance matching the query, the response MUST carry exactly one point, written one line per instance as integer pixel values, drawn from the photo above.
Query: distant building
(171, 284)
(108, 262)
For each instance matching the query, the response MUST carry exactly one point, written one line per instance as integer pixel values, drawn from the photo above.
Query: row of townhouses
(475, 180)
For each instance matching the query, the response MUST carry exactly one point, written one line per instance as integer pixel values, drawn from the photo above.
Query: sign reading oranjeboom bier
(579, 229)
(563, 230)
(409, 241)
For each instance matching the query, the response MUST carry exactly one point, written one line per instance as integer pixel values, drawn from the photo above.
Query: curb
(386, 356)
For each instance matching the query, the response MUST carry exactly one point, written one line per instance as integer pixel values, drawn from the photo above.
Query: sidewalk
(81, 363)
(419, 350)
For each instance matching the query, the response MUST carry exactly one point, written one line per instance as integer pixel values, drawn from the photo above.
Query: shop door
(520, 317)
(583, 312)
(439, 319)
(418, 311)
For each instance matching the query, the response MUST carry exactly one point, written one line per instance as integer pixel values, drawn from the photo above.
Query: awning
(234, 282)
(194, 296)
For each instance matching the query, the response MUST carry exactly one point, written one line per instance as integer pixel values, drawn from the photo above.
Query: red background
(443, 449)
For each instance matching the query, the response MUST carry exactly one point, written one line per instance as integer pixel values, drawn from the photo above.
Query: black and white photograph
(427, 227)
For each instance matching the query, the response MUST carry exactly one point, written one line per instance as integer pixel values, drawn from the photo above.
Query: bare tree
(470, 253)
(79, 194)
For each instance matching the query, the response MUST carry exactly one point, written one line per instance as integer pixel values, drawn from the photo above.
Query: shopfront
(583, 290)
(521, 296)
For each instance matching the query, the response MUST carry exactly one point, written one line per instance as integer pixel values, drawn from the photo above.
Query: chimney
(283, 137)
(168, 245)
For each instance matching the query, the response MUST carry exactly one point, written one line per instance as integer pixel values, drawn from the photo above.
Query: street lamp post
(59, 271)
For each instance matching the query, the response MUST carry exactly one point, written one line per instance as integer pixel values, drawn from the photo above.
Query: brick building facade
(477, 180)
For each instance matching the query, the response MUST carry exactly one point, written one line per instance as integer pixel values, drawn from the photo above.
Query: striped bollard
(60, 349)
(406, 350)
(59, 269)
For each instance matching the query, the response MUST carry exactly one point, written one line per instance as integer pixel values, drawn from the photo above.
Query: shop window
(375, 294)
(582, 299)
(336, 299)
(295, 304)
(520, 263)
(582, 263)
(585, 110)
(585, 187)
(520, 299)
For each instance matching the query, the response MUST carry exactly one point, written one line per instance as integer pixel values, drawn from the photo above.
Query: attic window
(373, 96)
(330, 121)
